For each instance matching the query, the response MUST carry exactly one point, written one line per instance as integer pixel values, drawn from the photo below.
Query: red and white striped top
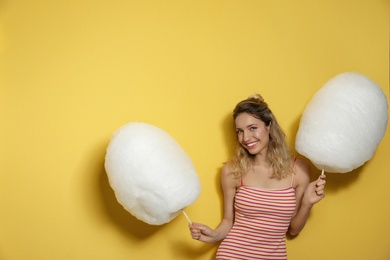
(262, 218)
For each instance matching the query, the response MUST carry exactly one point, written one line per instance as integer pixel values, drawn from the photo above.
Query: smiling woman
(266, 191)
(256, 110)
(252, 133)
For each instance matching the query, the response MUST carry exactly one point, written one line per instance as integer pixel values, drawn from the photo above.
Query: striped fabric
(262, 218)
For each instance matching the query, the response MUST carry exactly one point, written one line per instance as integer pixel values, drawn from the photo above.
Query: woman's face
(252, 133)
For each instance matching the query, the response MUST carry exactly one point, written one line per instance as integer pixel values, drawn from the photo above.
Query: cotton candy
(151, 175)
(343, 123)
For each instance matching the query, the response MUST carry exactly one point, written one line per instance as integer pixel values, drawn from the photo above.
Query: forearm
(312, 194)
(299, 220)
(223, 229)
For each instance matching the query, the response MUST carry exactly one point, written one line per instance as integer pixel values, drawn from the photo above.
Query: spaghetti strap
(241, 184)
(293, 173)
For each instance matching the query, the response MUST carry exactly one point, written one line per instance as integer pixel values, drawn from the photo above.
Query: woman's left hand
(315, 191)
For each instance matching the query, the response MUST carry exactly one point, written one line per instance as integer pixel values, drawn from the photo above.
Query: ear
(269, 126)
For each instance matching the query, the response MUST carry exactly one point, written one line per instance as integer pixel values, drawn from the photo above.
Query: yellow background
(72, 72)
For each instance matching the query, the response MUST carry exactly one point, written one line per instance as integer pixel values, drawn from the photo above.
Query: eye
(253, 128)
(238, 131)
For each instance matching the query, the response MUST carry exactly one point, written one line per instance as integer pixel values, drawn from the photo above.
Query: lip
(250, 145)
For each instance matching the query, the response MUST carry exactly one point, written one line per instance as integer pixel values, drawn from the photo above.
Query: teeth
(251, 144)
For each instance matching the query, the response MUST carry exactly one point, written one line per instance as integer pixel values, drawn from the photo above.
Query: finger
(193, 224)
(320, 191)
(195, 237)
(321, 178)
(194, 230)
(320, 183)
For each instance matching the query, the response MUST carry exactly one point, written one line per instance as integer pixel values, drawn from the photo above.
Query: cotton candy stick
(185, 214)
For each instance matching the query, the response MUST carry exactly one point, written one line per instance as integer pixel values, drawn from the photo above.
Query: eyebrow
(248, 126)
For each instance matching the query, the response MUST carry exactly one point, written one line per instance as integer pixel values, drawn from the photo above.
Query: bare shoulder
(302, 171)
(227, 177)
(226, 169)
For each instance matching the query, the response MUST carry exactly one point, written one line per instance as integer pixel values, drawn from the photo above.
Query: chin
(253, 151)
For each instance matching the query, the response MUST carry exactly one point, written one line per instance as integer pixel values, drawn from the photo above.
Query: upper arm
(229, 185)
(302, 178)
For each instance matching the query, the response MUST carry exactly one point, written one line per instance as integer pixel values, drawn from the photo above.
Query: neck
(261, 159)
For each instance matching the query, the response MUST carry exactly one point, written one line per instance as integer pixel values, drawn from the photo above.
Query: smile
(250, 145)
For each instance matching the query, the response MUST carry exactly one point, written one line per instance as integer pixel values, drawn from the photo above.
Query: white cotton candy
(343, 123)
(151, 175)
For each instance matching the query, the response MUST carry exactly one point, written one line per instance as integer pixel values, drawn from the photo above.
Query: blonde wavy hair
(279, 153)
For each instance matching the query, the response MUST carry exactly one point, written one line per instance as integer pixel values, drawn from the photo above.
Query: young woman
(266, 190)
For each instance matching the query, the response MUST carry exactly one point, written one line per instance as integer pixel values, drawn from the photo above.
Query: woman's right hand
(202, 233)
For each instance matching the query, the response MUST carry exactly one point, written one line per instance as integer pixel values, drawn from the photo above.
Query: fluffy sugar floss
(151, 175)
(343, 124)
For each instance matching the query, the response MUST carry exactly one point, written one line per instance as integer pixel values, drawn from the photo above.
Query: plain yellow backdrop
(72, 72)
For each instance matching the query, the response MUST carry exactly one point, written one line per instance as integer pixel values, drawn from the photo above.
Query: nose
(246, 136)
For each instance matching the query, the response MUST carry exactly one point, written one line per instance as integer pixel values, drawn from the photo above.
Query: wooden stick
(185, 214)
